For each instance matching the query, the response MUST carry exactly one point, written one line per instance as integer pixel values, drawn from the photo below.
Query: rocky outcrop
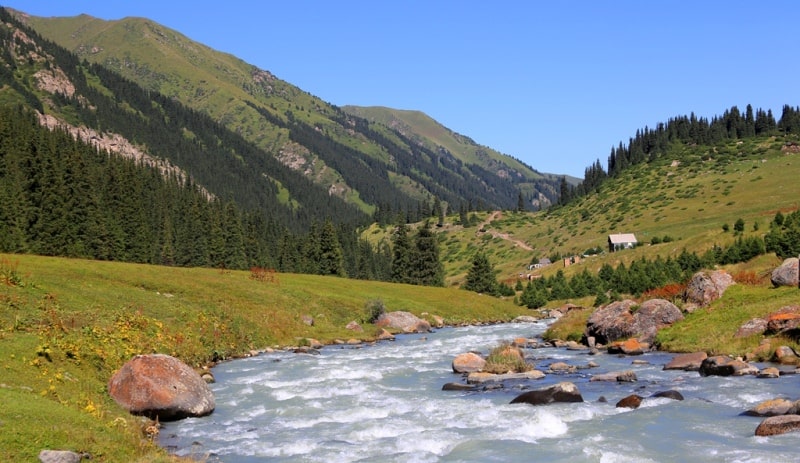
(403, 321)
(687, 362)
(561, 392)
(706, 287)
(627, 319)
(776, 425)
(787, 273)
(468, 362)
(161, 387)
(721, 365)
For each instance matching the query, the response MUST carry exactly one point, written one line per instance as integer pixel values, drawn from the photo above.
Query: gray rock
(59, 456)
(751, 327)
(706, 287)
(674, 395)
(787, 273)
(404, 321)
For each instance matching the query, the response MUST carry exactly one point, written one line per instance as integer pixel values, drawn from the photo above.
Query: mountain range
(371, 158)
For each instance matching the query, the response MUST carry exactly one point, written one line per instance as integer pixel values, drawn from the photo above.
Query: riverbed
(385, 402)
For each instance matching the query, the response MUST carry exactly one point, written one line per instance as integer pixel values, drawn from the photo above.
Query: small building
(571, 260)
(620, 241)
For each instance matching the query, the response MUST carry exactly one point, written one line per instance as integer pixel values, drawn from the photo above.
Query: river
(385, 403)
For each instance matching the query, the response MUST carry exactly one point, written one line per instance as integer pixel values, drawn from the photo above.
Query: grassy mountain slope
(688, 195)
(425, 130)
(265, 110)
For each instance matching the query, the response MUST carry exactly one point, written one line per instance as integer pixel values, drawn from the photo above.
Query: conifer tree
(426, 268)
(481, 277)
(401, 256)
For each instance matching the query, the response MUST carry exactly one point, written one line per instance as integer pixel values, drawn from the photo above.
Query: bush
(506, 358)
(375, 308)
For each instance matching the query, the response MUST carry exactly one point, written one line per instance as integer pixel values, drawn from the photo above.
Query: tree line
(648, 144)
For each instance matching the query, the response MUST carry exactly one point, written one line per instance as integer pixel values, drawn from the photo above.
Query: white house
(621, 241)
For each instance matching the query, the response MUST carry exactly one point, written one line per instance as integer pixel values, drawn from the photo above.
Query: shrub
(375, 308)
(506, 358)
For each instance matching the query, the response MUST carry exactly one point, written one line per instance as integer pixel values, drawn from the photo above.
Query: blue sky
(555, 84)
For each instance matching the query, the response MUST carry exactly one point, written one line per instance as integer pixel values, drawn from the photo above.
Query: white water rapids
(385, 403)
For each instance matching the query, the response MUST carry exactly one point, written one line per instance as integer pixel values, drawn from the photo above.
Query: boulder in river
(772, 407)
(631, 401)
(627, 376)
(776, 425)
(670, 394)
(721, 365)
(161, 387)
(687, 362)
(628, 319)
(468, 362)
(561, 392)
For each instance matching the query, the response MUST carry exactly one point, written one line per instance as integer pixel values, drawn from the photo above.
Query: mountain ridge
(262, 108)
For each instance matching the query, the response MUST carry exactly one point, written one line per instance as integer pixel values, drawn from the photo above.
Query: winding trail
(497, 215)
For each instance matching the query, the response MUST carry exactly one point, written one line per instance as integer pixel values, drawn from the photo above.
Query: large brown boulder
(776, 425)
(688, 362)
(403, 321)
(787, 273)
(631, 401)
(627, 319)
(653, 315)
(468, 362)
(612, 322)
(721, 365)
(161, 387)
(706, 287)
(561, 392)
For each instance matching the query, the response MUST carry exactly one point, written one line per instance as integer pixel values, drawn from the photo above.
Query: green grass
(66, 325)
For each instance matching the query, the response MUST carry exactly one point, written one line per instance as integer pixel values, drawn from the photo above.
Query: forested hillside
(68, 197)
(365, 162)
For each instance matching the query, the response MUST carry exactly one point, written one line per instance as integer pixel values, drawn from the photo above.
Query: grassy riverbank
(66, 325)
(712, 329)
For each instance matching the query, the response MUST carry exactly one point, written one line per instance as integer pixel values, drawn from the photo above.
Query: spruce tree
(401, 255)
(480, 277)
(426, 268)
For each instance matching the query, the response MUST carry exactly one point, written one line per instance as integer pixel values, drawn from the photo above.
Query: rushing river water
(385, 403)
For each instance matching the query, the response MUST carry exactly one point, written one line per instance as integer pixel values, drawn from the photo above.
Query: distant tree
(481, 277)
(738, 226)
(520, 202)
